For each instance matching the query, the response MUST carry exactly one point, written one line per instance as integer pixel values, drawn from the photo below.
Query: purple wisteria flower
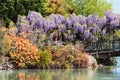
(76, 27)
(95, 29)
(33, 15)
(87, 34)
(69, 22)
(24, 28)
(38, 24)
(92, 37)
(73, 17)
(109, 15)
(57, 18)
(46, 25)
(52, 16)
(61, 18)
(81, 29)
(92, 19)
(81, 19)
(87, 27)
(101, 22)
(62, 28)
(114, 23)
(42, 30)
(103, 32)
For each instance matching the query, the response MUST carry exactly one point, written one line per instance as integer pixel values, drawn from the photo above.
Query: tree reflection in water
(54, 74)
(23, 76)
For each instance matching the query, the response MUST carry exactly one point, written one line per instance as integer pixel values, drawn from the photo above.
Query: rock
(1, 68)
(9, 65)
(100, 66)
(91, 63)
(6, 66)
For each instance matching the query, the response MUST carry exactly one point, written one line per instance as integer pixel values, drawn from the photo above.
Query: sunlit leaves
(45, 58)
(5, 42)
(87, 7)
(63, 7)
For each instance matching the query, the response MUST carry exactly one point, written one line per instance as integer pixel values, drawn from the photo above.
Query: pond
(107, 73)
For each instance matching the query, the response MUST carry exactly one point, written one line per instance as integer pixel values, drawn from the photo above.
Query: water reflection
(70, 74)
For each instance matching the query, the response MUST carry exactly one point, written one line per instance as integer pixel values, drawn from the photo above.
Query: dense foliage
(59, 7)
(5, 44)
(23, 54)
(42, 42)
(45, 58)
(87, 7)
(10, 9)
(47, 38)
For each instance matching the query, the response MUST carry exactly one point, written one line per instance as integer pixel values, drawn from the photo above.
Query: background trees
(87, 7)
(64, 7)
(10, 9)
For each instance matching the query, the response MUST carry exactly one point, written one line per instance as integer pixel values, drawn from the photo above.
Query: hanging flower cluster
(86, 27)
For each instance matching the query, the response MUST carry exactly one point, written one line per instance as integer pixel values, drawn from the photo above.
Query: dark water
(107, 73)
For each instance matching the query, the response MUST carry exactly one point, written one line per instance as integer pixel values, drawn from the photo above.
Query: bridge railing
(100, 46)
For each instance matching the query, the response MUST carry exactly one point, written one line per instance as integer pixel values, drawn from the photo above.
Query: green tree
(32, 5)
(87, 7)
(6, 9)
(10, 9)
(83, 7)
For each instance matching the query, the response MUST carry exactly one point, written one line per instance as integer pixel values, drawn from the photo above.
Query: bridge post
(97, 55)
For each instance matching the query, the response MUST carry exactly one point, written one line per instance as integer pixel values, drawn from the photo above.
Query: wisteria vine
(86, 28)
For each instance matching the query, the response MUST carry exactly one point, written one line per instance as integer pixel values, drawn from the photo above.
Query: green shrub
(5, 42)
(66, 65)
(45, 58)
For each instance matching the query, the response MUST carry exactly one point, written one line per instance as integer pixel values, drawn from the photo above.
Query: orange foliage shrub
(23, 53)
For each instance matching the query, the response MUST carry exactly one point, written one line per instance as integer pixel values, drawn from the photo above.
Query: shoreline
(10, 67)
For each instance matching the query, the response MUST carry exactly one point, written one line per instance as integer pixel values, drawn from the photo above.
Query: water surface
(107, 73)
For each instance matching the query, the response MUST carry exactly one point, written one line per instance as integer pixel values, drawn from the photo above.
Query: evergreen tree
(10, 9)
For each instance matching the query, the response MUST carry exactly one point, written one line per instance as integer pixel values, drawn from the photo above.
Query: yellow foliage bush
(5, 45)
(45, 58)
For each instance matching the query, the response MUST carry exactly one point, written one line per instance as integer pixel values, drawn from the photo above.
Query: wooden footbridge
(103, 49)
